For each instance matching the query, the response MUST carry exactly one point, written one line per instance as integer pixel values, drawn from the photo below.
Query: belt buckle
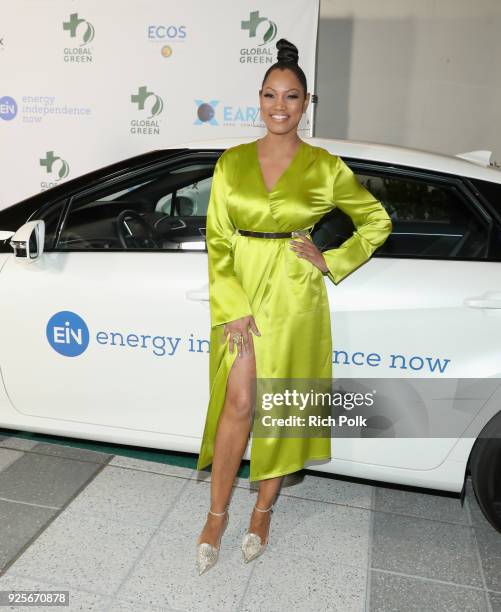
(301, 232)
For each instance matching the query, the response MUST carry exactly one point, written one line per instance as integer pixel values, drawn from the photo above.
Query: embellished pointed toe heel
(252, 545)
(207, 554)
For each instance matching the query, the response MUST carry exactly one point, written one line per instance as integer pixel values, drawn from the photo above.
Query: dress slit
(217, 399)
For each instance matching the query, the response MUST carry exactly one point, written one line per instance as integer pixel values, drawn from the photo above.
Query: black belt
(265, 234)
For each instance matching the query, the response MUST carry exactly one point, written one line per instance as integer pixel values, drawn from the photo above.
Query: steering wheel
(126, 236)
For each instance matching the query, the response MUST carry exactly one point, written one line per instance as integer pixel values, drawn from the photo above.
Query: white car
(104, 310)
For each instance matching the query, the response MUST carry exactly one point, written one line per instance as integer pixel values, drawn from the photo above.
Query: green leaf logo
(271, 32)
(157, 107)
(89, 33)
(64, 169)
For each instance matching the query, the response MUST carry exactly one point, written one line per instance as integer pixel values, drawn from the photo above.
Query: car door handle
(199, 295)
(491, 299)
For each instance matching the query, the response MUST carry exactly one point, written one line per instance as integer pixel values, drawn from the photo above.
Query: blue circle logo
(67, 333)
(8, 108)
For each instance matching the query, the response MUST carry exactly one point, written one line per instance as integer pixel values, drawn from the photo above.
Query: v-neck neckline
(260, 171)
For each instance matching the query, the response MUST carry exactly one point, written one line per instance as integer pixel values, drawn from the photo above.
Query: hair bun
(287, 52)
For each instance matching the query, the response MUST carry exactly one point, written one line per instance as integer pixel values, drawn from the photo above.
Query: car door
(415, 310)
(110, 326)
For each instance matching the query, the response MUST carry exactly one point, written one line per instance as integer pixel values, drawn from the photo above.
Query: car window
(430, 220)
(51, 215)
(164, 210)
(491, 194)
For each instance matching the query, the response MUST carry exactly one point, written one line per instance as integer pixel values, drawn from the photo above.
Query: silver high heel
(252, 546)
(207, 555)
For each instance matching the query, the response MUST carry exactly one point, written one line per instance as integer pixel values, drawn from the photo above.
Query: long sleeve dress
(285, 293)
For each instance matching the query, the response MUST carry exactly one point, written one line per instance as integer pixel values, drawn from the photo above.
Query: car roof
(389, 154)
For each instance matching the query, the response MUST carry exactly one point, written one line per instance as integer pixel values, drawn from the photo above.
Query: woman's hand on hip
(307, 249)
(239, 331)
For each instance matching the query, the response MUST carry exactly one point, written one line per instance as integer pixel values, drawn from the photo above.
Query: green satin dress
(286, 294)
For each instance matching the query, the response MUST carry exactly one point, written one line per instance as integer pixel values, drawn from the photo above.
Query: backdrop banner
(87, 83)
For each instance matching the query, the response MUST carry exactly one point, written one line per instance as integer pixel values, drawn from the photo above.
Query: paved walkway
(119, 533)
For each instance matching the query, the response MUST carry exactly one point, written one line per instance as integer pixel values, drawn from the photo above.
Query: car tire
(485, 470)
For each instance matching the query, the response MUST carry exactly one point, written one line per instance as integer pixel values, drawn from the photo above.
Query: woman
(270, 316)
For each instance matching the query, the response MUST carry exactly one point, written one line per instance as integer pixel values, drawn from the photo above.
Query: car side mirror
(28, 241)
(5, 235)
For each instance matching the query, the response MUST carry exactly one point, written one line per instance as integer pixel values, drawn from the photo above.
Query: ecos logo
(229, 115)
(163, 32)
(171, 33)
(8, 108)
(263, 29)
(67, 333)
(81, 31)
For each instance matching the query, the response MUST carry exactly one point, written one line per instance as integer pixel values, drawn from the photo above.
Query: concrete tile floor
(119, 534)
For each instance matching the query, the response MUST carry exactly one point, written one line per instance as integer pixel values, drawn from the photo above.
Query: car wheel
(485, 469)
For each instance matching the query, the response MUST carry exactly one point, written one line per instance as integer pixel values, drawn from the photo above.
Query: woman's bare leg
(231, 440)
(268, 492)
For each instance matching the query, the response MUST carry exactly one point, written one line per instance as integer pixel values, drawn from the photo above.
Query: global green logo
(85, 34)
(268, 32)
(55, 166)
(142, 96)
